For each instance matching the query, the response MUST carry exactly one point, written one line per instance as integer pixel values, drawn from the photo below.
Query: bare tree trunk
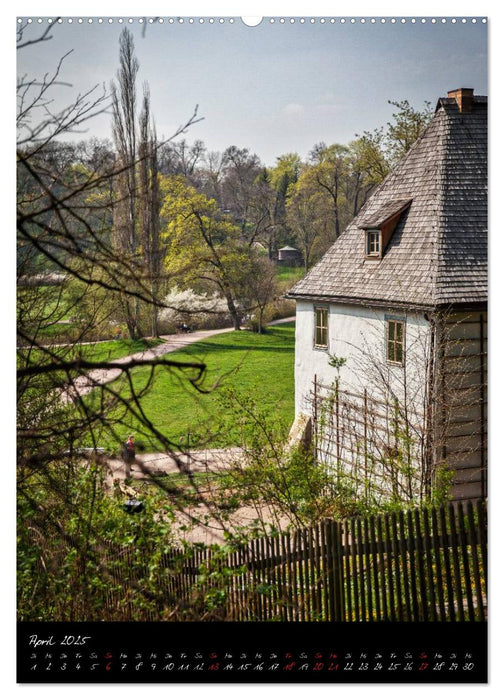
(356, 194)
(232, 309)
(261, 312)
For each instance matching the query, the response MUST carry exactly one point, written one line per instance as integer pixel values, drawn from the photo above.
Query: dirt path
(161, 464)
(197, 522)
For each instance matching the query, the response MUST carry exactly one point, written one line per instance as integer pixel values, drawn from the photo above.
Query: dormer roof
(437, 252)
(388, 211)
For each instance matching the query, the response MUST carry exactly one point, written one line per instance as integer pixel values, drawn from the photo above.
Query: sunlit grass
(257, 365)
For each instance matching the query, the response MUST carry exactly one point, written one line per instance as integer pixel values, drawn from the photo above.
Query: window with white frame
(321, 327)
(395, 341)
(373, 243)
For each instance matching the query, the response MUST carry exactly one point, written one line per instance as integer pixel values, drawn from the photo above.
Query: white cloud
(329, 109)
(327, 97)
(293, 109)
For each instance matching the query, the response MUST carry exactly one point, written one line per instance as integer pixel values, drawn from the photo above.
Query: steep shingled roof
(438, 251)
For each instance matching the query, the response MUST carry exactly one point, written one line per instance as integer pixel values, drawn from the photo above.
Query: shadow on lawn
(274, 340)
(197, 348)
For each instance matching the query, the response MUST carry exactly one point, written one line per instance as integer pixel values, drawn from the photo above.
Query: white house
(391, 323)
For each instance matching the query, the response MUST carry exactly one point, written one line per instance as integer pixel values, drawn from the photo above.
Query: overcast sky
(274, 88)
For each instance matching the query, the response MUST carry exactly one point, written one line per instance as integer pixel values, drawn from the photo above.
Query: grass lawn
(259, 366)
(290, 275)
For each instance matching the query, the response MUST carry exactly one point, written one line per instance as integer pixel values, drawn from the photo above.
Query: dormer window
(380, 225)
(373, 243)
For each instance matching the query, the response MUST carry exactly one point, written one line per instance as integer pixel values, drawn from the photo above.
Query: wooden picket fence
(418, 565)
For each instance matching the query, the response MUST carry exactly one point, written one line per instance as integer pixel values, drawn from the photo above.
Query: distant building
(391, 324)
(290, 256)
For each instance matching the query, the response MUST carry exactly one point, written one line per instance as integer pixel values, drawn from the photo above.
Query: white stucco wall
(357, 333)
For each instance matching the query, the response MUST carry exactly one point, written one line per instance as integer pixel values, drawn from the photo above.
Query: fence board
(431, 612)
(465, 561)
(456, 569)
(369, 586)
(354, 569)
(403, 553)
(390, 580)
(360, 566)
(482, 520)
(374, 558)
(439, 569)
(382, 560)
(447, 560)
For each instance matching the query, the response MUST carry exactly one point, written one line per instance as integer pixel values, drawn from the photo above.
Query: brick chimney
(464, 98)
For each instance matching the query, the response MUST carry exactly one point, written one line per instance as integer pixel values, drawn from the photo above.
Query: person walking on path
(128, 455)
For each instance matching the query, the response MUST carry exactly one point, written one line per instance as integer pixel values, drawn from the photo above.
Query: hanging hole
(251, 21)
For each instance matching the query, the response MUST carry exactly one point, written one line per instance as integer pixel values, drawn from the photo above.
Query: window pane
(373, 243)
(395, 341)
(321, 334)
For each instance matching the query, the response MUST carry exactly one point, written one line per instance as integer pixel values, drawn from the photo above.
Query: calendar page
(252, 349)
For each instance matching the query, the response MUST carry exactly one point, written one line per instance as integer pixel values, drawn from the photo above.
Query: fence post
(333, 565)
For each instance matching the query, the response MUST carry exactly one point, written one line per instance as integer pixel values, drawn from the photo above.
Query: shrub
(198, 311)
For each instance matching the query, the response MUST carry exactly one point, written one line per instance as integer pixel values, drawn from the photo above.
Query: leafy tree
(407, 126)
(328, 173)
(378, 151)
(261, 285)
(286, 171)
(241, 170)
(201, 244)
(281, 176)
(307, 215)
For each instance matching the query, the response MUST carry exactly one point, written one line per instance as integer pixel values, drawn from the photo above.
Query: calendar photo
(251, 348)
